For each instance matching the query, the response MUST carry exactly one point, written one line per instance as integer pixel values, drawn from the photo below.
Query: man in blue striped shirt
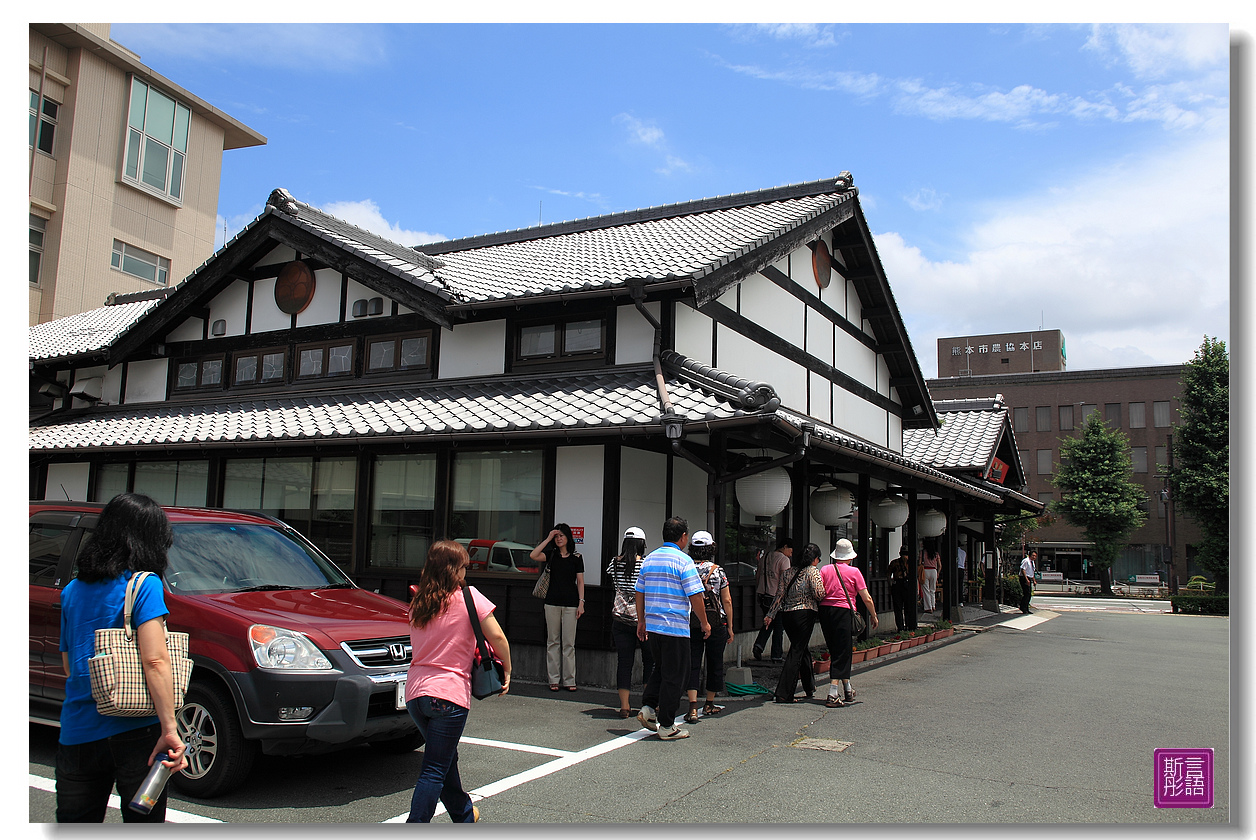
(668, 588)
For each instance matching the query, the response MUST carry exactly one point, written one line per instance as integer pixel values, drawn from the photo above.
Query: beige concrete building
(124, 171)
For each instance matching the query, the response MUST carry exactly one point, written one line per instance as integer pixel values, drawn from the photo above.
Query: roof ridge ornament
(283, 201)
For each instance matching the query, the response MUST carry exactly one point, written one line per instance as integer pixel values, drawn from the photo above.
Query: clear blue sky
(1014, 176)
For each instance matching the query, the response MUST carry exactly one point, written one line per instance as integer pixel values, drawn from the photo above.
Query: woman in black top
(564, 604)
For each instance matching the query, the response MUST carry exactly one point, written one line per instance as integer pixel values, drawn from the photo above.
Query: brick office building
(983, 355)
(1143, 402)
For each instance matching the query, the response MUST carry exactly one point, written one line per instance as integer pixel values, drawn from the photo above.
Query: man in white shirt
(1028, 568)
(961, 573)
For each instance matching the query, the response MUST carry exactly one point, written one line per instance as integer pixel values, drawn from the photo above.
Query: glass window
(577, 337)
(192, 374)
(140, 263)
(173, 482)
(1162, 456)
(246, 370)
(311, 362)
(111, 479)
(47, 542)
(537, 341)
(1112, 414)
(1138, 454)
(1020, 419)
(325, 359)
(315, 497)
(1087, 410)
(1046, 498)
(1066, 418)
(1160, 414)
(398, 352)
(1044, 462)
(1138, 415)
(45, 124)
(582, 337)
(258, 366)
(497, 496)
(1043, 418)
(156, 142)
(38, 226)
(272, 366)
(403, 510)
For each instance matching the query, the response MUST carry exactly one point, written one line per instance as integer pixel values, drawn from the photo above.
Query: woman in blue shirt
(95, 752)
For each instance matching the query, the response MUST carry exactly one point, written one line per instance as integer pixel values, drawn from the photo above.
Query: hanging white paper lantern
(890, 512)
(930, 522)
(764, 494)
(830, 505)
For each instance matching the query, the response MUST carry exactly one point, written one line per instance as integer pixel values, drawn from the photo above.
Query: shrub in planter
(1201, 604)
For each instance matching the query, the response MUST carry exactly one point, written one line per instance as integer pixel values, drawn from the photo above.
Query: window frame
(325, 346)
(1020, 419)
(1066, 427)
(1050, 457)
(1168, 414)
(1112, 414)
(138, 138)
(200, 385)
(37, 248)
(1042, 418)
(1135, 459)
(41, 119)
(397, 338)
(119, 256)
(561, 356)
(1139, 422)
(258, 354)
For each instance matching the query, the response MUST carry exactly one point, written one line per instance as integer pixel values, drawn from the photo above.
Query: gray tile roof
(584, 401)
(86, 332)
(970, 433)
(681, 247)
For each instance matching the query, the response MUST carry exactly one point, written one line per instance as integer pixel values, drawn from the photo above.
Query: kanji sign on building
(1183, 778)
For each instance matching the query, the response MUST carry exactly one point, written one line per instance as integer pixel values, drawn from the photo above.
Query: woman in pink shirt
(930, 563)
(438, 684)
(843, 583)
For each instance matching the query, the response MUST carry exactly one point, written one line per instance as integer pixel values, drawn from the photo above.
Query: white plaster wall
(325, 307)
(865, 420)
(280, 254)
(231, 305)
(146, 380)
(642, 494)
(693, 335)
(267, 317)
(772, 308)
(820, 336)
(855, 359)
(357, 291)
(854, 309)
(67, 479)
(578, 488)
(112, 394)
(896, 433)
(821, 397)
(192, 329)
(634, 336)
(742, 357)
(476, 349)
(688, 495)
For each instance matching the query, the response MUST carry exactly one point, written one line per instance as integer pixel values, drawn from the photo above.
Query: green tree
(1199, 479)
(1097, 491)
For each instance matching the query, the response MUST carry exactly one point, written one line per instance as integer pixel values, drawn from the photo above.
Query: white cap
(635, 533)
(844, 551)
(702, 538)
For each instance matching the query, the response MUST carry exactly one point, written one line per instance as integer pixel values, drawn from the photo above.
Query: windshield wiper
(338, 586)
(266, 587)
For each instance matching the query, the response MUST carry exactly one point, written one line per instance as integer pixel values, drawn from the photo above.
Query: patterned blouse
(803, 593)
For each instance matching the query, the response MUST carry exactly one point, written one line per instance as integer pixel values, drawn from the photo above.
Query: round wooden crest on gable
(295, 287)
(821, 263)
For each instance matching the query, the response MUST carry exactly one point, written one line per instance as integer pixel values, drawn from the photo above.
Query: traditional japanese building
(739, 361)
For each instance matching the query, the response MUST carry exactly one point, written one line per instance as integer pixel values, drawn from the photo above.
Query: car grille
(379, 653)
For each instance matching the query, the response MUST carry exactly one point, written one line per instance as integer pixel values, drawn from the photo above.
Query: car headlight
(279, 649)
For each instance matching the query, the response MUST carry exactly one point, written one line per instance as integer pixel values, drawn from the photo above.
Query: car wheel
(218, 756)
(399, 746)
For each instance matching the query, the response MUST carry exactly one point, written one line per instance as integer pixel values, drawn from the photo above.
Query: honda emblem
(397, 651)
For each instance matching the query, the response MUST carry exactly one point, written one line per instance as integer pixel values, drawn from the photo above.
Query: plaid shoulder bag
(118, 684)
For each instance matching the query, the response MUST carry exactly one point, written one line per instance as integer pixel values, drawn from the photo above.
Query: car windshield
(233, 557)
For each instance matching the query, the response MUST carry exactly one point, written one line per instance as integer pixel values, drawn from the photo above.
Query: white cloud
(925, 198)
(1131, 256)
(366, 215)
(1152, 50)
(296, 46)
(857, 84)
(651, 136)
(809, 34)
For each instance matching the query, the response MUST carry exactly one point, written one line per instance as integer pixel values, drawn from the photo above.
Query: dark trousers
(900, 594)
(798, 626)
(835, 624)
(667, 681)
(441, 723)
(776, 631)
(87, 773)
(1027, 590)
(626, 644)
(713, 648)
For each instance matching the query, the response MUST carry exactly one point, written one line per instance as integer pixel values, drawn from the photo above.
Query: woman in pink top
(930, 563)
(438, 684)
(842, 584)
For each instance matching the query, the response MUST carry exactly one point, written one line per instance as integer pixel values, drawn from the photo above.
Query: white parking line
(567, 759)
(1024, 622)
(50, 785)
(507, 745)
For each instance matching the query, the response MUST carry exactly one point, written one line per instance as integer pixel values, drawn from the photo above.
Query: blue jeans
(87, 773)
(441, 723)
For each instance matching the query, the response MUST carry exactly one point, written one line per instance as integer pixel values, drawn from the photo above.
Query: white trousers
(929, 590)
(560, 644)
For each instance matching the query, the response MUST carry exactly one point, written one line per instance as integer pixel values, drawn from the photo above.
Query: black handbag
(488, 675)
(857, 621)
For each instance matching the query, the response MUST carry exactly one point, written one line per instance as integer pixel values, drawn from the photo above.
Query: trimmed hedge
(1201, 604)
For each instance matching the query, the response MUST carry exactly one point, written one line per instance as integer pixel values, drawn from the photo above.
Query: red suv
(291, 656)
